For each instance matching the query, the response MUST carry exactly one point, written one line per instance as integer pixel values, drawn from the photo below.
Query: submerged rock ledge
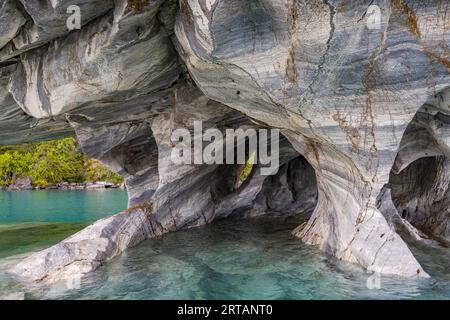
(364, 113)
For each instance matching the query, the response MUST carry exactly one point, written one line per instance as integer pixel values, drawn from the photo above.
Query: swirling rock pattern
(362, 111)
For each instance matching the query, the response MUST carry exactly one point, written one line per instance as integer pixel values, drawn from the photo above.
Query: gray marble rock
(364, 113)
(122, 55)
(88, 249)
(39, 22)
(342, 93)
(12, 20)
(16, 126)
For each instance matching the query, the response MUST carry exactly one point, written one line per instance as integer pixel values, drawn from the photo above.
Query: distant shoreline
(100, 185)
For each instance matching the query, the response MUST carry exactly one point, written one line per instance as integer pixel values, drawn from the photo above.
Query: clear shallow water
(60, 205)
(250, 259)
(31, 220)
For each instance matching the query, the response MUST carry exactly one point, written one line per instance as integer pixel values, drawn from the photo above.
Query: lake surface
(234, 259)
(60, 205)
(31, 220)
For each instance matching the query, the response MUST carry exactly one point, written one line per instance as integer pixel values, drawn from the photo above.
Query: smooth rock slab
(85, 251)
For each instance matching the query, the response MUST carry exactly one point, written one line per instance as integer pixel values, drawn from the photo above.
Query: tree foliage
(248, 168)
(51, 162)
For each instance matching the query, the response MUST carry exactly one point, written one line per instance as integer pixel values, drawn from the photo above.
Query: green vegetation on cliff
(51, 162)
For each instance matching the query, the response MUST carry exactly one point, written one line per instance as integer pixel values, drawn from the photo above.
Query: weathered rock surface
(12, 20)
(427, 206)
(22, 184)
(17, 126)
(363, 111)
(34, 23)
(336, 89)
(87, 249)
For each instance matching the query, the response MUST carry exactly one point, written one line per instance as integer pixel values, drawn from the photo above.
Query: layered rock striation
(363, 110)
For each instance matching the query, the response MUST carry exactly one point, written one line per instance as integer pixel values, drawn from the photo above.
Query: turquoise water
(234, 259)
(32, 220)
(60, 205)
(251, 259)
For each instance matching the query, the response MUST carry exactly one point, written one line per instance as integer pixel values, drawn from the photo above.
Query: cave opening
(292, 191)
(243, 189)
(416, 197)
(420, 177)
(421, 195)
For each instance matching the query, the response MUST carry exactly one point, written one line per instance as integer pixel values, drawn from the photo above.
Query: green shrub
(248, 168)
(51, 162)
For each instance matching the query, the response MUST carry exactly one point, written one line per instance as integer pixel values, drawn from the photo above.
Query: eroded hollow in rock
(421, 195)
(291, 191)
(134, 155)
(420, 178)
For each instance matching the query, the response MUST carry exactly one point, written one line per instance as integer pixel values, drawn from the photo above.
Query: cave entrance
(241, 191)
(420, 178)
(292, 190)
(421, 195)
